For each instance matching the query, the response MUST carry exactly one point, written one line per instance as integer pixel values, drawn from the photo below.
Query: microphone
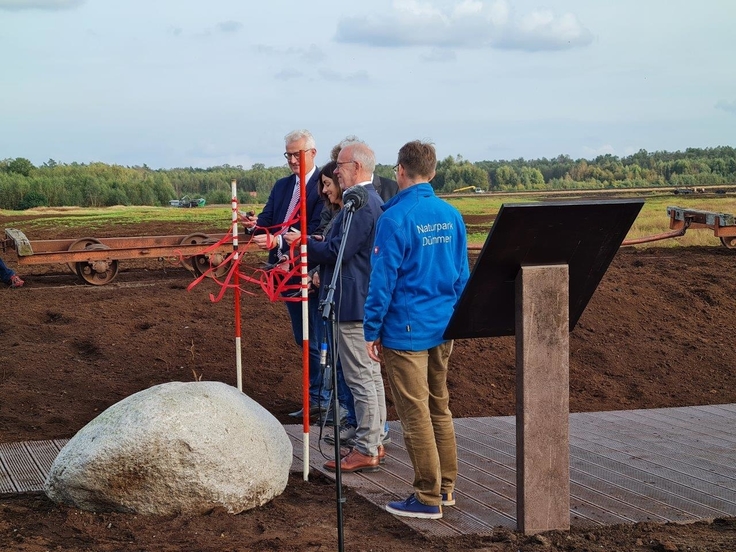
(354, 198)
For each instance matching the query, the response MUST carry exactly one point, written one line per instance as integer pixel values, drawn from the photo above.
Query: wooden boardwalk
(660, 465)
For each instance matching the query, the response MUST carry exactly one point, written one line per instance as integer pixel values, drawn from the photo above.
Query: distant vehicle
(474, 189)
(694, 190)
(683, 191)
(186, 201)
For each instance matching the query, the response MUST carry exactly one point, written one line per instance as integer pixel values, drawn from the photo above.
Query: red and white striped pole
(236, 283)
(305, 312)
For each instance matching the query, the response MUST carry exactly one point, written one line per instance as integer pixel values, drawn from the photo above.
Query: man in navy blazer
(355, 165)
(282, 207)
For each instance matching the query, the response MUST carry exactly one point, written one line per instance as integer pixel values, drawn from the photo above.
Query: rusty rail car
(722, 224)
(681, 220)
(95, 261)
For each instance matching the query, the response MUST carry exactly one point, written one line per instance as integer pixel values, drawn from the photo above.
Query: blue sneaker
(411, 507)
(448, 499)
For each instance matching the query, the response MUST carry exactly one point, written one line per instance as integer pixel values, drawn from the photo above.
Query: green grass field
(652, 219)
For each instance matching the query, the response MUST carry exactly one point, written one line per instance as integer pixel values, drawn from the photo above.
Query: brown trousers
(418, 381)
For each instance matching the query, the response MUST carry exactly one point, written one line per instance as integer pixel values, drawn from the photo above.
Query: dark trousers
(317, 392)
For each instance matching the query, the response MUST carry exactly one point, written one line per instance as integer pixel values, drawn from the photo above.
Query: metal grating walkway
(672, 464)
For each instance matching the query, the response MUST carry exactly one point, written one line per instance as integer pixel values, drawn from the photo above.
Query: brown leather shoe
(344, 451)
(355, 461)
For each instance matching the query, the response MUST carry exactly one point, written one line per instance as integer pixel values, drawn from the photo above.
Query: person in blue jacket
(9, 276)
(282, 209)
(419, 268)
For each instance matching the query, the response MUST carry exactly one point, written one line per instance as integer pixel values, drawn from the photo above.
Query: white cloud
(477, 97)
(542, 30)
(311, 54)
(230, 26)
(39, 4)
(440, 55)
(728, 107)
(606, 149)
(210, 153)
(468, 7)
(359, 77)
(288, 74)
(469, 24)
(417, 9)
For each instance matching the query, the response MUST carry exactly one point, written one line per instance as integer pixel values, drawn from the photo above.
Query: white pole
(236, 282)
(305, 311)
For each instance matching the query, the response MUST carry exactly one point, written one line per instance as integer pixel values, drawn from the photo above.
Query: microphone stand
(328, 313)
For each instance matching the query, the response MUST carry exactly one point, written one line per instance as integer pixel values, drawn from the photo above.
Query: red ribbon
(273, 281)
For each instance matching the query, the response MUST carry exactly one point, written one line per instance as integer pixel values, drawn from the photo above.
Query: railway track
(608, 193)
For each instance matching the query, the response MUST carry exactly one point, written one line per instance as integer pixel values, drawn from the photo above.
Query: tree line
(53, 184)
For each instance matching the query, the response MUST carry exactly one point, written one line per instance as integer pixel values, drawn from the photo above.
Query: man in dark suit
(280, 213)
(385, 187)
(355, 165)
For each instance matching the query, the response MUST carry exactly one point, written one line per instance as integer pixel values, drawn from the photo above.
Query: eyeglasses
(288, 155)
(338, 163)
(396, 169)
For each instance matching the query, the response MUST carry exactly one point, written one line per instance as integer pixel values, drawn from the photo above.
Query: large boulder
(175, 448)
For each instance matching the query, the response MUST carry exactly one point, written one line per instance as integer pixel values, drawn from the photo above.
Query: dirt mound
(657, 333)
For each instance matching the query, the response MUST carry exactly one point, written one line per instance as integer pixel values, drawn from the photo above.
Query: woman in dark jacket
(331, 194)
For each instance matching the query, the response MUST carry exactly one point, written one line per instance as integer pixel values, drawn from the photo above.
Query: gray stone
(175, 448)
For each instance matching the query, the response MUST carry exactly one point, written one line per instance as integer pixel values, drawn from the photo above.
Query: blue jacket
(352, 286)
(274, 212)
(419, 269)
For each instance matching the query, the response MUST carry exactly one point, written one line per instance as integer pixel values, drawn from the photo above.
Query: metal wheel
(199, 264)
(192, 239)
(729, 242)
(80, 245)
(214, 260)
(97, 273)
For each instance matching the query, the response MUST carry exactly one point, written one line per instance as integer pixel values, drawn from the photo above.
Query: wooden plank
(693, 421)
(616, 474)
(588, 505)
(710, 457)
(394, 482)
(714, 428)
(478, 504)
(721, 410)
(43, 454)
(611, 477)
(23, 471)
(6, 481)
(663, 477)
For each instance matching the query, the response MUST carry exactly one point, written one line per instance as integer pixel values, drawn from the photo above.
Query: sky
(188, 83)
